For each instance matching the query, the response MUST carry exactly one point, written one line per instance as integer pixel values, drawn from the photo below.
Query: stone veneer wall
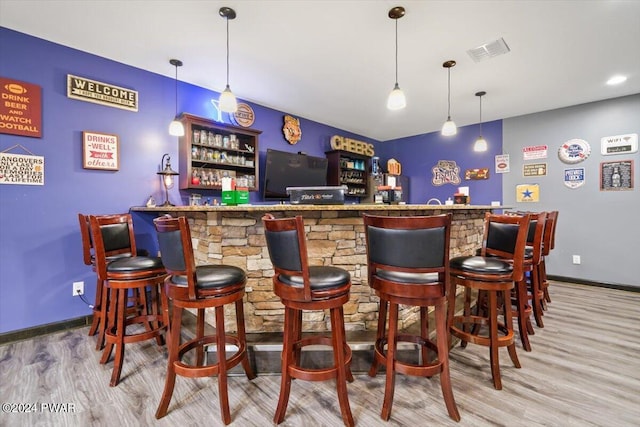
(333, 238)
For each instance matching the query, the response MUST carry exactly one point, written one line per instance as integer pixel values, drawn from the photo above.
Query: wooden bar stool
(303, 287)
(549, 242)
(493, 274)
(120, 273)
(408, 264)
(199, 287)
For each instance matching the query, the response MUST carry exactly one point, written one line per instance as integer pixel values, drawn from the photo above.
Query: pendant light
(175, 127)
(449, 127)
(228, 102)
(480, 144)
(396, 100)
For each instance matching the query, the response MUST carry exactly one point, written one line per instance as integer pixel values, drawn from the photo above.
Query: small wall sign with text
(533, 152)
(619, 144)
(476, 174)
(21, 108)
(616, 176)
(527, 193)
(21, 169)
(100, 151)
(574, 177)
(502, 163)
(534, 169)
(445, 172)
(101, 93)
(574, 151)
(244, 116)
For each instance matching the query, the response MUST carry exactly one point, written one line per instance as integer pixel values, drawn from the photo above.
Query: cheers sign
(351, 145)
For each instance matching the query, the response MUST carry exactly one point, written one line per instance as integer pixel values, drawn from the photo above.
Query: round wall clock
(574, 151)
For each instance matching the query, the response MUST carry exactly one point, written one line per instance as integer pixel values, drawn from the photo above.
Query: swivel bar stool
(494, 274)
(408, 264)
(303, 287)
(199, 287)
(120, 273)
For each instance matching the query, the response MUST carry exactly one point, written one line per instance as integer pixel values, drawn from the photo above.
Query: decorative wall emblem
(445, 172)
(291, 129)
(527, 193)
(574, 151)
(244, 116)
(574, 178)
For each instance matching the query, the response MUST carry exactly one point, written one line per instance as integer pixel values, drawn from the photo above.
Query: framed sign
(21, 108)
(616, 176)
(534, 169)
(619, 144)
(100, 151)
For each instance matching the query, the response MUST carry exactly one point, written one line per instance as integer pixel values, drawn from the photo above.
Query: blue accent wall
(40, 246)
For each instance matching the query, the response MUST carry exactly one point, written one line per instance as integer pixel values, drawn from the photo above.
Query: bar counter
(335, 236)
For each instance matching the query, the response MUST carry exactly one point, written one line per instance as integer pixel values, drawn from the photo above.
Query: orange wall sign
(20, 108)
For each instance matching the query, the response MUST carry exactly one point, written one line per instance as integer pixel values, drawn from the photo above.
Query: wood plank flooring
(584, 370)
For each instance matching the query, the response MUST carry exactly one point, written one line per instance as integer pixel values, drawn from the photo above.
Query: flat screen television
(284, 169)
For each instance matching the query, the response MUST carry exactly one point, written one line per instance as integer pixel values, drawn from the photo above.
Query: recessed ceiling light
(616, 80)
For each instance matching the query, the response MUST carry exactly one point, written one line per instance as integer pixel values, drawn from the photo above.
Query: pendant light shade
(396, 100)
(228, 102)
(449, 127)
(481, 144)
(175, 127)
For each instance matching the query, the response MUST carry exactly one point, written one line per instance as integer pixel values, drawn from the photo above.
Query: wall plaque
(101, 93)
(20, 108)
(616, 176)
(100, 151)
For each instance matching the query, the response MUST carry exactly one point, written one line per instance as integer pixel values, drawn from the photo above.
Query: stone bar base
(335, 236)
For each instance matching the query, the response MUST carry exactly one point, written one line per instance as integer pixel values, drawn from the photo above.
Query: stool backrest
(505, 236)
(176, 249)
(112, 237)
(87, 242)
(549, 240)
(535, 236)
(286, 242)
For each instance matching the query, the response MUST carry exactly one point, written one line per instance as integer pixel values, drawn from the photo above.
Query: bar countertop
(301, 207)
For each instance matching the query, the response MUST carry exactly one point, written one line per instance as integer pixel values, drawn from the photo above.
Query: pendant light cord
(480, 115)
(227, 18)
(176, 90)
(396, 19)
(449, 95)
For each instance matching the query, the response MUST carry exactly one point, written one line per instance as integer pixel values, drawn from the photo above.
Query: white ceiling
(333, 61)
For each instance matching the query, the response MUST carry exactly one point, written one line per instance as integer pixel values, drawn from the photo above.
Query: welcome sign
(101, 93)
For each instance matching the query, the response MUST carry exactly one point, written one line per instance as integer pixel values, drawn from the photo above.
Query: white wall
(603, 227)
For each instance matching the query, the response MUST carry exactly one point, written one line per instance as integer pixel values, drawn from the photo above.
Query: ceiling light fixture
(228, 101)
(481, 143)
(396, 100)
(175, 127)
(449, 127)
(616, 80)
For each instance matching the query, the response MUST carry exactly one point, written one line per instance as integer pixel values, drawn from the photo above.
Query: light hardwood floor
(584, 370)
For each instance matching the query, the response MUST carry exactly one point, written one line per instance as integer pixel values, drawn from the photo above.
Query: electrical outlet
(576, 259)
(78, 288)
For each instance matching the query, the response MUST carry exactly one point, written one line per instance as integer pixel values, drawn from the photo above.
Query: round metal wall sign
(574, 151)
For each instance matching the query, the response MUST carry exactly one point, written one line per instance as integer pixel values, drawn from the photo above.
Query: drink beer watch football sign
(20, 108)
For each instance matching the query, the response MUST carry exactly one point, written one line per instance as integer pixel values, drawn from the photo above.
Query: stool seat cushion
(213, 277)
(407, 277)
(320, 277)
(482, 265)
(129, 264)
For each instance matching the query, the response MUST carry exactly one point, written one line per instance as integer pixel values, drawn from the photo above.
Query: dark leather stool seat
(199, 287)
(303, 287)
(408, 264)
(493, 275)
(121, 273)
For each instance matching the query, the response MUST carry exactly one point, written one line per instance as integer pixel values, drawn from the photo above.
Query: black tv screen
(283, 169)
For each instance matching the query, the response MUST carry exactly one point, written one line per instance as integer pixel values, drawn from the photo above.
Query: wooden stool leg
(173, 344)
(536, 297)
(223, 393)
(443, 357)
(390, 381)
(424, 333)
(121, 296)
(110, 324)
(493, 338)
(344, 345)
(382, 323)
(523, 318)
(104, 323)
(508, 322)
(287, 359)
(337, 328)
(97, 320)
(200, 334)
(242, 336)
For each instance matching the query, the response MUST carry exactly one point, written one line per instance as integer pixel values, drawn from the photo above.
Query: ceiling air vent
(489, 50)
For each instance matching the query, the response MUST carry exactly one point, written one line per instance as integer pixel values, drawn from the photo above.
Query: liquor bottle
(615, 177)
